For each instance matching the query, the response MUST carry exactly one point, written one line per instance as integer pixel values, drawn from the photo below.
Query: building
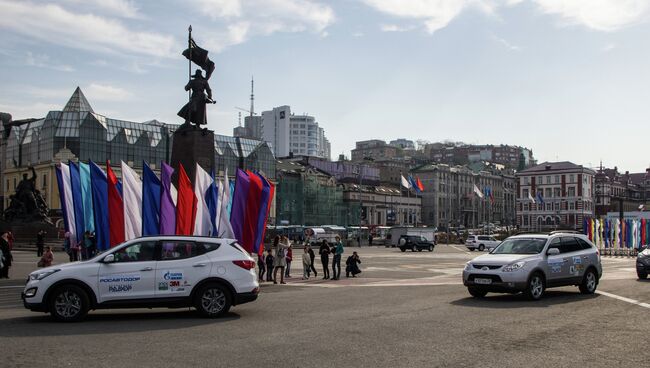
(374, 150)
(403, 144)
(620, 192)
(449, 200)
(562, 196)
(513, 157)
(291, 134)
(79, 133)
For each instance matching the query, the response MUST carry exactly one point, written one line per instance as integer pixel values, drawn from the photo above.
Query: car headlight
(468, 266)
(43, 274)
(513, 267)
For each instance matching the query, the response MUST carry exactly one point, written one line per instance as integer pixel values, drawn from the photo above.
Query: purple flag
(238, 212)
(167, 199)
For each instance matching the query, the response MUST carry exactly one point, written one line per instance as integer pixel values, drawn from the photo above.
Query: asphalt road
(407, 309)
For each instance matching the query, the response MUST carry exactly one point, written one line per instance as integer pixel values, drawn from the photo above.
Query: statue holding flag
(195, 110)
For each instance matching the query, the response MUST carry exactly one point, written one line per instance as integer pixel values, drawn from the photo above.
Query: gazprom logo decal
(173, 275)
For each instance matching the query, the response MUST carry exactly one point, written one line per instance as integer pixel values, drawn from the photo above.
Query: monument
(193, 143)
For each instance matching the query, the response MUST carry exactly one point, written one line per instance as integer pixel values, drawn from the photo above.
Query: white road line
(624, 299)
(12, 287)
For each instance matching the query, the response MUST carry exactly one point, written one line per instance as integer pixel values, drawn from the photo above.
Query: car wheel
(430, 248)
(419, 249)
(212, 300)
(69, 303)
(471, 249)
(535, 287)
(589, 282)
(403, 249)
(476, 292)
(481, 247)
(642, 275)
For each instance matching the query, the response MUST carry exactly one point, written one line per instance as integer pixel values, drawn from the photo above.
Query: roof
(554, 166)
(78, 102)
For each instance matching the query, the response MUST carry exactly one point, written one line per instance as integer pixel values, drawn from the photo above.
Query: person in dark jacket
(262, 266)
(7, 258)
(40, 243)
(312, 256)
(352, 265)
(269, 264)
(324, 252)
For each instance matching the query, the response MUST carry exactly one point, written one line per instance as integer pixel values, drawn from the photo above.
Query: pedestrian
(324, 252)
(370, 240)
(87, 246)
(69, 247)
(47, 258)
(7, 257)
(269, 265)
(280, 261)
(312, 257)
(306, 263)
(261, 266)
(289, 256)
(352, 265)
(336, 261)
(10, 240)
(40, 243)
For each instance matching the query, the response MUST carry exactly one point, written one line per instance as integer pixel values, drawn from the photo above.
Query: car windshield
(520, 246)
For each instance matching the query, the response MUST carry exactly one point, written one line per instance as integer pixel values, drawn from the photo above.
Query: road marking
(461, 250)
(624, 299)
(12, 287)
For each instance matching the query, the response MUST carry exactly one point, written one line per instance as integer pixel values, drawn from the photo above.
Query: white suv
(481, 242)
(163, 271)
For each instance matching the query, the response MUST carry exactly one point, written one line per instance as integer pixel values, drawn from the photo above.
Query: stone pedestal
(192, 145)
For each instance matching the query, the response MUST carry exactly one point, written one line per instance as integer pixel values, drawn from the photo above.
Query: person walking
(306, 263)
(40, 243)
(352, 265)
(7, 257)
(269, 265)
(289, 256)
(324, 252)
(47, 258)
(280, 261)
(312, 256)
(261, 266)
(336, 261)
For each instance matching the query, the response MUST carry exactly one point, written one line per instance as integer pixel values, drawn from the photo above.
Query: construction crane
(245, 110)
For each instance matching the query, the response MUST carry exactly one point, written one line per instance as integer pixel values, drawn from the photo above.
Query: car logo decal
(485, 268)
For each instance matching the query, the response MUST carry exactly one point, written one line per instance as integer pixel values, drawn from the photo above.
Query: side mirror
(553, 252)
(109, 259)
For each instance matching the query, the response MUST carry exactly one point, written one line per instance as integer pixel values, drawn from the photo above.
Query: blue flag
(414, 185)
(151, 191)
(86, 197)
(75, 184)
(99, 190)
(212, 199)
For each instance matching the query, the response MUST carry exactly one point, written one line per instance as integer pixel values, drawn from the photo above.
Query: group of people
(83, 249)
(281, 261)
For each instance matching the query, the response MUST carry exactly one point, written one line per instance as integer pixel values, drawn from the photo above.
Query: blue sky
(567, 79)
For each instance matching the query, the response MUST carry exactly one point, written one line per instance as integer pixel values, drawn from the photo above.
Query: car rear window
(584, 244)
(202, 248)
(238, 247)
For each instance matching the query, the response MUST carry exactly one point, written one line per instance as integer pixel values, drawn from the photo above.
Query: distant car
(481, 242)
(643, 263)
(532, 263)
(415, 243)
(209, 274)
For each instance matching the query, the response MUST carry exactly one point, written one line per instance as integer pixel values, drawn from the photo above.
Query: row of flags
(539, 198)
(117, 210)
(414, 183)
(617, 233)
(487, 193)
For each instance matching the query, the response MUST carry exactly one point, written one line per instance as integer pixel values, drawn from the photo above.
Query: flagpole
(189, 76)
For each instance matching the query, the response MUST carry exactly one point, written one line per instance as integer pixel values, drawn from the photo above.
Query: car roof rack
(565, 232)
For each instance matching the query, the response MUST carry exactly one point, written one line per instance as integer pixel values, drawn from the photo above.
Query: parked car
(415, 243)
(481, 242)
(208, 274)
(533, 263)
(643, 263)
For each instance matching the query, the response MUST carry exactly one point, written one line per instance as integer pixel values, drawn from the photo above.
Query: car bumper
(242, 298)
(500, 281)
(34, 307)
(643, 265)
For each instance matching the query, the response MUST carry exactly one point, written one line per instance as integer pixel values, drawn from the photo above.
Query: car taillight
(247, 265)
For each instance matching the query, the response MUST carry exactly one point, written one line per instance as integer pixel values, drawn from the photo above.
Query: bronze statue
(27, 204)
(194, 111)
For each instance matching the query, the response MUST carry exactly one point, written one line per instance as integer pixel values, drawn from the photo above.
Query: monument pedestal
(190, 146)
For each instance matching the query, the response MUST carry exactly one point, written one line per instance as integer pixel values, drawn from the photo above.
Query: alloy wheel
(67, 304)
(213, 300)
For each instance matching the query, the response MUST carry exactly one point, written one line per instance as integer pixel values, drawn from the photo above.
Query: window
(572, 192)
(569, 244)
(172, 250)
(555, 243)
(524, 193)
(548, 180)
(571, 206)
(584, 244)
(526, 180)
(139, 252)
(572, 178)
(557, 179)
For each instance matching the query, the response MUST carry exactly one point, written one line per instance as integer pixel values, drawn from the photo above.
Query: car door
(557, 267)
(571, 250)
(182, 265)
(580, 258)
(131, 275)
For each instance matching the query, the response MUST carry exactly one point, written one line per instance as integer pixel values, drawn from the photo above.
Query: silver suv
(533, 262)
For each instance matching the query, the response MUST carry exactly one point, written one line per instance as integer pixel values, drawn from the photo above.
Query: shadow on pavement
(106, 323)
(509, 301)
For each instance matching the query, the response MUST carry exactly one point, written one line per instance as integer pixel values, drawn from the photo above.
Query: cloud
(608, 47)
(43, 61)
(54, 24)
(506, 44)
(30, 110)
(121, 8)
(601, 15)
(104, 92)
(358, 34)
(241, 20)
(395, 28)
(40, 93)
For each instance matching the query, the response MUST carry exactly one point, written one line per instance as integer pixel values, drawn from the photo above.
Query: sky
(568, 79)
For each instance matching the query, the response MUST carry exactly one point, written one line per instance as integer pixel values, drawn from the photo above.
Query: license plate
(483, 281)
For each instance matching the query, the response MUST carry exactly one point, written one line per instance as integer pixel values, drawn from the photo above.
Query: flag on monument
(200, 58)
(132, 198)
(151, 195)
(167, 201)
(202, 182)
(99, 189)
(115, 208)
(86, 197)
(75, 185)
(185, 204)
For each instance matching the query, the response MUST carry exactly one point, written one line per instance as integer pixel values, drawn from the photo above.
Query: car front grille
(490, 267)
